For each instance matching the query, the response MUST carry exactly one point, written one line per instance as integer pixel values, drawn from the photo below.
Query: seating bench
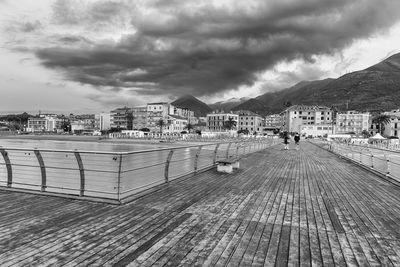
(227, 165)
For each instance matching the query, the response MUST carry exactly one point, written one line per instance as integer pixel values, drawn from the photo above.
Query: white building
(103, 121)
(274, 120)
(316, 130)
(43, 124)
(298, 115)
(352, 121)
(176, 124)
(216, 121)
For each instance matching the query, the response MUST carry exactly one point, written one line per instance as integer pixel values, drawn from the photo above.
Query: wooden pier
(282, 207)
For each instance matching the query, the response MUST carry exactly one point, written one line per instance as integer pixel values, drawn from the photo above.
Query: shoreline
(100, 139)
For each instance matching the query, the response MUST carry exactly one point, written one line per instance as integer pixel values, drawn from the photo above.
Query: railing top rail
(115, 153)
(371, 147)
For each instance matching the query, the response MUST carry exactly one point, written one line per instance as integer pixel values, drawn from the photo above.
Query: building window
(395, 125)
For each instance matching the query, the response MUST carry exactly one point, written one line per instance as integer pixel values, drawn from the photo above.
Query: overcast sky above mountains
(86, 56)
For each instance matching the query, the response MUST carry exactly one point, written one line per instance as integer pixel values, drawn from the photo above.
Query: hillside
(375, 88)
(200, 108)
(228, 105)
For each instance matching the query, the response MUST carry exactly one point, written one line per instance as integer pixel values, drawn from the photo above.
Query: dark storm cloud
(181, 48)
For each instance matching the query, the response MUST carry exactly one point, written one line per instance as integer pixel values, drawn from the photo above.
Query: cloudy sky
(90, 56)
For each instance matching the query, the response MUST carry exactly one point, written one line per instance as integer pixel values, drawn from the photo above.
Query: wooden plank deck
(280, 208)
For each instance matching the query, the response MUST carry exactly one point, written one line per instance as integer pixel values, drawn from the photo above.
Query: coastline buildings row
(306, 120)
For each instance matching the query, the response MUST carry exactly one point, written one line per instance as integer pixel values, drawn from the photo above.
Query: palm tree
(189, 127)
(161, 123)
(381, 120)
(230, 124)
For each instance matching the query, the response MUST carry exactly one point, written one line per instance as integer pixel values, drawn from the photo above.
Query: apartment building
(296, 116)
(216, 121)
(352, 121)
(250, 121)
(102, 121)
(274, 120)
(139, 117)
(44, 123)
(156, 112)
(37, 124)
(185, 113)
(176, 124)
(121, 118)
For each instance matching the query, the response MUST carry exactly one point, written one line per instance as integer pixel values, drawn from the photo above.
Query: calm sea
(79, 145)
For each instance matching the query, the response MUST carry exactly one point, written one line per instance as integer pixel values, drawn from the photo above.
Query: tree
(381, 120)
(365, 134)
(161, 123)
(230, 124)
(144, 129)
(245, 132)
(129, 120)
(189, 127)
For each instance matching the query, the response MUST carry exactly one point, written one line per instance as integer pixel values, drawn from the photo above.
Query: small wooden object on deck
(227, 165)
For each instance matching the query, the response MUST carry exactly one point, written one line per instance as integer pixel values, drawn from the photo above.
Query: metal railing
(111, 175)
(386, 162)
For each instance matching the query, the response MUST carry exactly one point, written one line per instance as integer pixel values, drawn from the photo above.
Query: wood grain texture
(282, 207)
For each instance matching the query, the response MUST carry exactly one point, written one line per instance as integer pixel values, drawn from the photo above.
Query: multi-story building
(389, 129)
(83, 125)
(216, 121)
(121, 118)
(176, 124)
(316, 130)
(274, 120)
(393, 127)
(296, 116)
(102, 121)
(156, 112)
(250, 121)
(186, 113)
(139, 117)
(352, 121)
(44, 123)
(36, 124)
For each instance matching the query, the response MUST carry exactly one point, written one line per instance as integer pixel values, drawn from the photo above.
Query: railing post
(169, 157)
(81, 172)
(227, 150)
(119, 177)
(215, 154)
(7, 161)
(42, 168)
(196, 159)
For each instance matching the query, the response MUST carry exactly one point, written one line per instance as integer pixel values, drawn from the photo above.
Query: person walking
(286, 141)
(297, 141)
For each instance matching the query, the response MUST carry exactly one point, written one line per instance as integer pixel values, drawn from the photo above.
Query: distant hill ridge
(188, 101)
(376, 88)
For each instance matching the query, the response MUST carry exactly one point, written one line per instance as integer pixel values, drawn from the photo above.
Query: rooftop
(288, 207)
(304, 107)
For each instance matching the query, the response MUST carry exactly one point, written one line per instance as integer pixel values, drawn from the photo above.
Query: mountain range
(376, 88)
